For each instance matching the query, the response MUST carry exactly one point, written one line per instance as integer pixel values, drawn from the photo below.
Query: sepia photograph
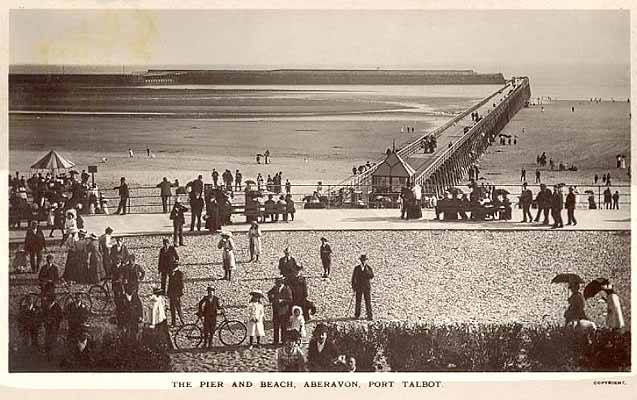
(307, 190)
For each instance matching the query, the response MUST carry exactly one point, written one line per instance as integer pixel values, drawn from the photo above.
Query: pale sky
(343, 38)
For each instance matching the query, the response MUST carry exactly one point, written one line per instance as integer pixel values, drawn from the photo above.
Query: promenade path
(420, 161)
(347, 219)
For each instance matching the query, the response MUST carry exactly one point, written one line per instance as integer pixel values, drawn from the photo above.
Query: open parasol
(594, 287)
(52, 161)
(567, 278)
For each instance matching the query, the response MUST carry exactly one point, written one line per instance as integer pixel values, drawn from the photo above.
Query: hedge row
(420, 347)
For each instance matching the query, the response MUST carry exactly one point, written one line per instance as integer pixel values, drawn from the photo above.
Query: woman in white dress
(614, 315)
(256, 315)
(254, 236)
(227, 245)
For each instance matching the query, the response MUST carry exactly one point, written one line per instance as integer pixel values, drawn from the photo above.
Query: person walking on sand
(526, 198)
(123, 196)
(607, 198)
(168, 261)
(571, 203)
(523, 175)
(557, 205)
(215, 177)
(226, 244)
(256, 315)
(254, 238)
(238, 177)
(130, 153)
(326, 257)
(178, 218)
(361, 285)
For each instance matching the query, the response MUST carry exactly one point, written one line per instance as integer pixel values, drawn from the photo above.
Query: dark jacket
(570, 201)
(326, 252)
(575, 310)
(281, 300)
(48, 277)
(544, 199)
(34, 241)
(177, 214)
(168, 258)
(132, 275)
(361, 278)
(196, 186)
(165, 188)
(123, 190)
(122, 253)
(287, 267)
(175, 285)
(208, 309)
(52, 317)
(526, 197)
(130, 312)
(321, 361)
(558, 201)
(298, 286)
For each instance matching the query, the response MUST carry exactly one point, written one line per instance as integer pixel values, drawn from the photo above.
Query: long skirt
(228, 260)
(71, 268)
(255, 246)
(256, 328)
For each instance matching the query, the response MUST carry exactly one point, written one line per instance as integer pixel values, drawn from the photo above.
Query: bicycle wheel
(100, 300)
(232, 332)
(188, 336)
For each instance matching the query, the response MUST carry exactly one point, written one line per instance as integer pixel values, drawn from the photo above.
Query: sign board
(92, 168)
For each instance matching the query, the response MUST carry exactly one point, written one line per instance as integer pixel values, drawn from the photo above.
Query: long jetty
(460, 141)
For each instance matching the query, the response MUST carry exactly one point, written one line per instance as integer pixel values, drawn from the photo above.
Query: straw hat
(93, 236)
(257, 292)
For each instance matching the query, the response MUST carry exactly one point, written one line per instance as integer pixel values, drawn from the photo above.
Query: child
(297, 322)
(256, 314)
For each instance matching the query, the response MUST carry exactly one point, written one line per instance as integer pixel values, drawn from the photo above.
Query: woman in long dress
(227, 245)
(254, 236)
(256, 314)
(81, 256)
(71, 272)
(614, 315)
(96, 270)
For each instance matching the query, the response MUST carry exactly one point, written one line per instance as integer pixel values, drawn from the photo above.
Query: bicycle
(65, 299)
(231, 333)
(101, 298)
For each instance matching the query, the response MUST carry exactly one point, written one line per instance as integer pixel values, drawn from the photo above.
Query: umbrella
(589, 192)
(250, 182)
(257, 293)
(502, 134)
(594, 287)
(53, 161)
(498, 192)
(567, 278)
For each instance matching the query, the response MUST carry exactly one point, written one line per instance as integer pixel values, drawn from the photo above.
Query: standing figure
(326, 257)
(614, 315)
(178, 218)
(34, 243)
(290, 207)
(123, 196)
(526, 198)
(608, 197)
(238, 177)
(215, 177)
(538, 176)
(616, 200)
(523, 175)
(361, 285)
(280, 296)
(96, 270)
(575, 310)
(256, 314)
(556, 207)
(297, 321)
(105, 243)
(158, 320)
(207, 309)
(571, 203)
(174, 293)
(226, 244)
(168, 259)
(165, 193)
(48, 277)
(287, 264)
(29, 322)
(51, 317)
(196, 208)
(290, 357)
(254, 237)
(132, 275)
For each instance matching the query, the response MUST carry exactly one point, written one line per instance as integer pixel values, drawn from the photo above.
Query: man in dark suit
(131, 311)
(526, 198)
(287, 264)
(543, 199)
(570, 206)
(48, 277)
(33, 245)
(196, 208)
(361, 285)
(208, 309)
(123, 196)
(281, 298)
(174, 293)
(132, 275)
(178, 218)
(168, 259)
(556, 207)
(51, 317)
(298, 285)
(76, 313)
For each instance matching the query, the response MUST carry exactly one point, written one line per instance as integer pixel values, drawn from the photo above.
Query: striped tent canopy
(53, 161)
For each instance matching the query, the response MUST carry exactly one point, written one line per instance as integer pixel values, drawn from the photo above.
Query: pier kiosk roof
(393, 173)
(53, 161)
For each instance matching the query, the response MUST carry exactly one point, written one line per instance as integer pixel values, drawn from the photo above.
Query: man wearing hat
(178, 218)
(168, 259)
(96, 271)
(556, 207)
(174, 293)
(34, 244)
(48, 277)
(51, 317)
(287, 264)
(281, 298)
(105, 245)
(361, 285)
(543, 199)
(208, 309)
(132, 275)
(526, 198)
(571, 203)
(298, 286)
(123, 196)
(326, 257)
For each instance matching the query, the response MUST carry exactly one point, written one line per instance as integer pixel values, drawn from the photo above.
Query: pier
(460, 141)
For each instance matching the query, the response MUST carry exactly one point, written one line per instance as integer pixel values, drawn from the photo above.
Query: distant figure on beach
(595, 179)
(354, 170)
(542, 110)
(266, 157)
(608, 179)
(572, 109)
(552, 164)
(123, 196)
(148, 151)
(616, 200)
(215, 177)
(130, 153)
(538, 176)
(258, 158)
(237, 180)
(607, 198)
(623, 162)
(571, 203)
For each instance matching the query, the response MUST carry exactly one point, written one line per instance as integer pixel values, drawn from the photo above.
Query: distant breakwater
(264, 77)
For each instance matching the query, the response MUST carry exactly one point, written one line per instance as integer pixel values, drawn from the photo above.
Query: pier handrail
(428, 171)
(413, 146)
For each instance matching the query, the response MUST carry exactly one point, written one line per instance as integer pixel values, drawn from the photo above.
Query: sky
(319, 38)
